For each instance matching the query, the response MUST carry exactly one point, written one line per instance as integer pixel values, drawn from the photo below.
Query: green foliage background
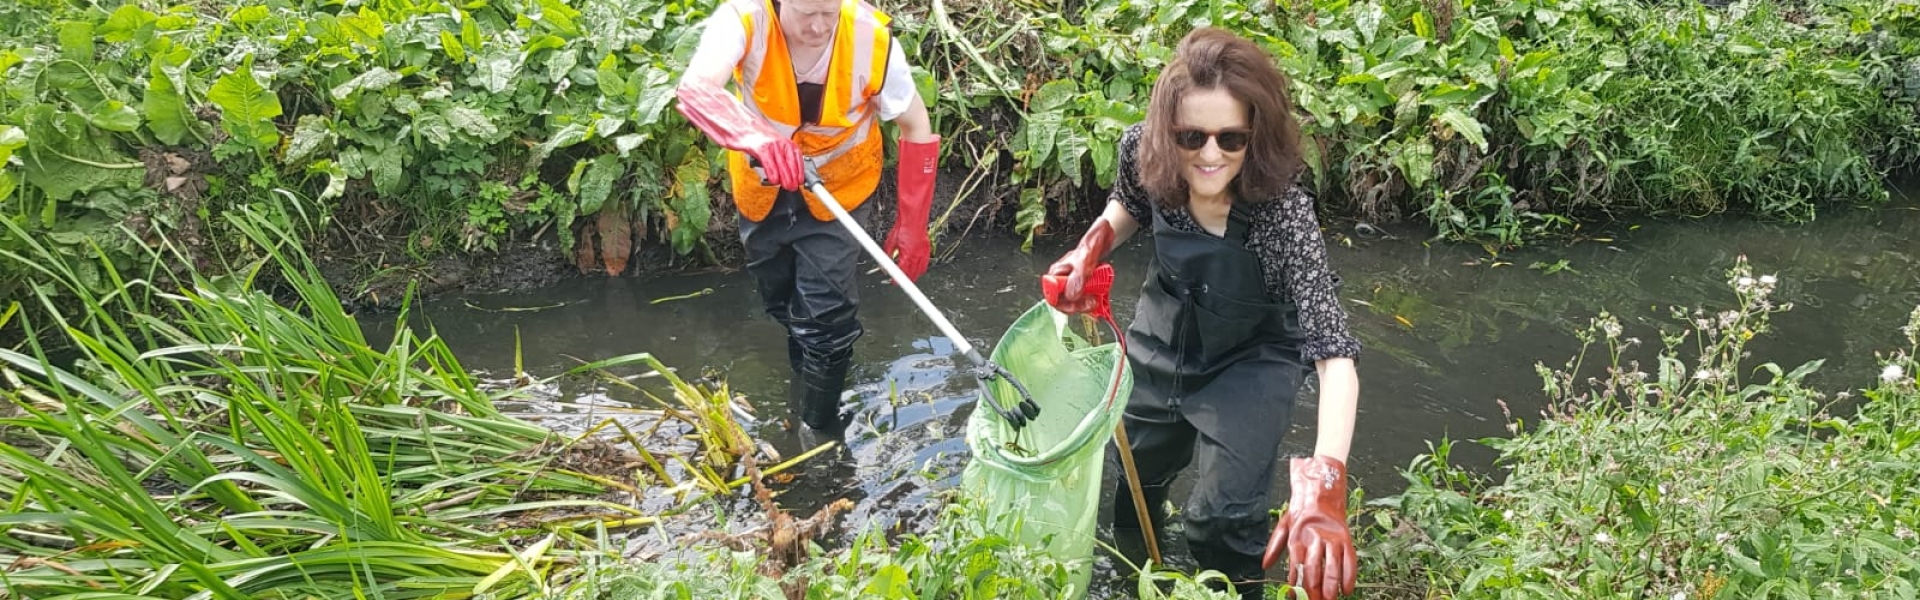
(463, 125)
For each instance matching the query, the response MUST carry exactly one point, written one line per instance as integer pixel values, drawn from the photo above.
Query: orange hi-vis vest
(846, 143)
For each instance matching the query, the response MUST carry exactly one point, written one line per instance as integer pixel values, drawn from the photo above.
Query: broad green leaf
(384, 168)
(656, 92)
(1031, 216)
(568, 135)
(67, 157)
(8, 59)
(563, 18)
(1041, 131)
(607, 125)
(542, 42)
(365, 28)
(163, 105)
(1068, 150)
(406, 103)
(1358, 78)
(11, 139)
(560, 62)
(1613, 58)
(598, 182)
(376, 78)
(1415, 160)
(496, 71)
(1367, 18)
(247, 109)
(124, 23)
(451, 45)
(248, 15)
(472, 122)
(609, 81)
(890, 582)
(1506, 49)
(470, 32)
(435, 129)
(1421, 26)
(311, 134)
(1464, 125)
(626, 143)
(76, 41)
(1387, 70)
(924, 83)
(336, 178)
(1054, 95)
(691, 204)
(1103, 163)
(114, 115)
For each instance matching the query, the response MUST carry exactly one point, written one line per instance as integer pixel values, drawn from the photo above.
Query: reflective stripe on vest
(845, 144)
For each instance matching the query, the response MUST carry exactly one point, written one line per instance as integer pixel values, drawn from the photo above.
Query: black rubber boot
(823, 378)
(796, 356)
(1128, 536)
(1249, 580)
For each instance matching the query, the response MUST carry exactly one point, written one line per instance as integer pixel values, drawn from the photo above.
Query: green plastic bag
(1043, 481)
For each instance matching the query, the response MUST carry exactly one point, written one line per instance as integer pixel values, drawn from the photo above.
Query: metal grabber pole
(983, 369)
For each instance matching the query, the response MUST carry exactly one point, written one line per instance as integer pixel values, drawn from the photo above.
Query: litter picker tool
(983, 370)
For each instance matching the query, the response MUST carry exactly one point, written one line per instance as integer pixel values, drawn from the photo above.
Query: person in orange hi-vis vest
(813, 79)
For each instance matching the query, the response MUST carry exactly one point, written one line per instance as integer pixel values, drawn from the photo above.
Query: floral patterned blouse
(1284, 234)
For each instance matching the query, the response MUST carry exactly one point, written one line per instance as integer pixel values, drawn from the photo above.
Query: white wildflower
(1603, 538)
(1768, 279)
(1745, 282)
(1679, 596)
(1892, 373)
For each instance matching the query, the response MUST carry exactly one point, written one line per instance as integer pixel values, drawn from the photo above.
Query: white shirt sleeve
(723, 40)
(898, 91)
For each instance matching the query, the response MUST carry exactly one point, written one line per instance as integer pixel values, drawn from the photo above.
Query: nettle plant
(1685, 481)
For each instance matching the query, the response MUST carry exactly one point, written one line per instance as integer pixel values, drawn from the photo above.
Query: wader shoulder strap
(1238, 222)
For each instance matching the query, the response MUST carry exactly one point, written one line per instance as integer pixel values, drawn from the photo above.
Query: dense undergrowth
(458, 128)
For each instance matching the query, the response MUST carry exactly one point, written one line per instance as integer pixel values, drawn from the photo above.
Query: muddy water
(1449, 330)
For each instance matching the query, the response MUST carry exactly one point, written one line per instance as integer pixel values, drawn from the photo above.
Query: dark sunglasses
(1230, 140)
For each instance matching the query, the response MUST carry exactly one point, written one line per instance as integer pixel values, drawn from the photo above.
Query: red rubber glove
(907, 243)
(1096, 293)
(1076, 267)
(1322, 561)
(722, 118)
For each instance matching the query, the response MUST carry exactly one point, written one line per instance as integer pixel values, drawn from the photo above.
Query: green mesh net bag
(1042, 481)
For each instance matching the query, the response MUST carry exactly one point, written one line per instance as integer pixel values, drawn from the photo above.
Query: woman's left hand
(1313, 530)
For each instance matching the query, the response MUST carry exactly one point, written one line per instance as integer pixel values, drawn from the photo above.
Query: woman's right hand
(1065, 284)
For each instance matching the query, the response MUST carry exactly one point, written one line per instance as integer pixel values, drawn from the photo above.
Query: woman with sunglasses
(1239, 306)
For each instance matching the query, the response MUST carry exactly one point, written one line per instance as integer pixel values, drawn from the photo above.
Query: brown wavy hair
(1211, 58)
